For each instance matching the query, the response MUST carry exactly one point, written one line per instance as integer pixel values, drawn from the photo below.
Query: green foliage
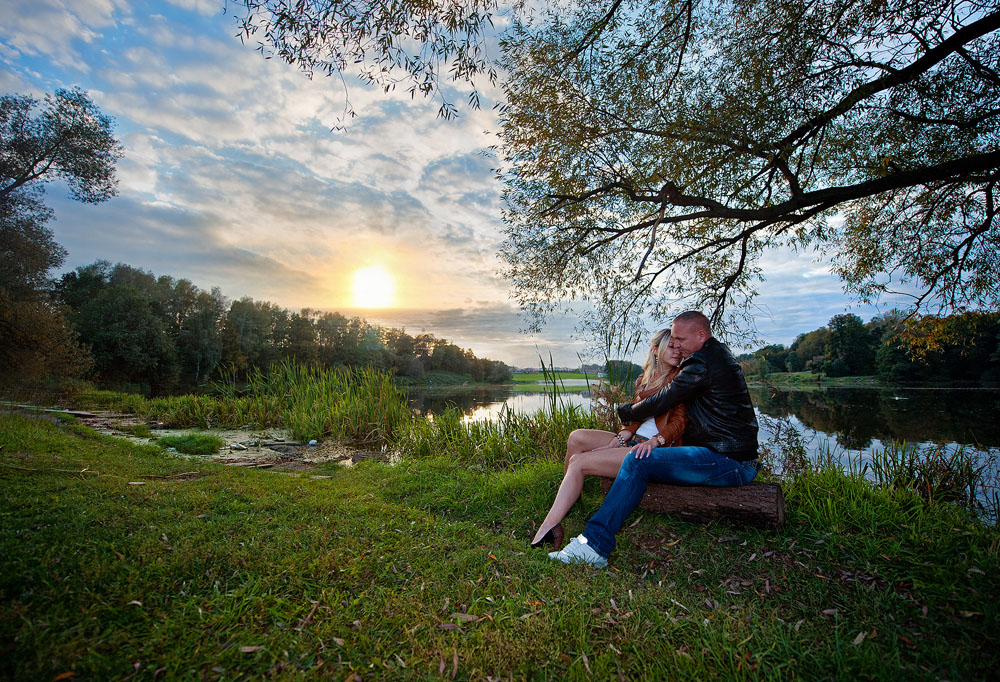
(205, 335)
(622, 373)
(193, 444)
(71, 140)
(654, 153)
(137, 430)
(956, 348)
(128, 341)
(384, 44)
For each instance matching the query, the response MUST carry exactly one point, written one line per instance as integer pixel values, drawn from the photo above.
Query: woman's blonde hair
(649, 368)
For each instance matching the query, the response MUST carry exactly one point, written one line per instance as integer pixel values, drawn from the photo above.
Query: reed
(510, 440)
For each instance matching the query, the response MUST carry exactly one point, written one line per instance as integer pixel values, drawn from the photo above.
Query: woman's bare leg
(598, 463)
(585, 440)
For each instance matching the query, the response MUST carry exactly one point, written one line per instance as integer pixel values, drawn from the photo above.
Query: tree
(849, 348)
(807, 351)
(68, 139)
(199, 342)
(71, 140)
(383, 43)
(655, 152)
(129, 342)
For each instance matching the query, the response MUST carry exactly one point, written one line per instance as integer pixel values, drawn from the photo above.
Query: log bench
(757, 503)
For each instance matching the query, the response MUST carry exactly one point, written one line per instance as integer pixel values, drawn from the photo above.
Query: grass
(421, 571)
(362, 405)
(193, 444)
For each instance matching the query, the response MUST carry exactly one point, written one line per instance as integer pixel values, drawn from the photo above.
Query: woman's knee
(575, 461)
(576, 440)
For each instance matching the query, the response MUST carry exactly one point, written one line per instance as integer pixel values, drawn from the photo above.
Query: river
(842, 421)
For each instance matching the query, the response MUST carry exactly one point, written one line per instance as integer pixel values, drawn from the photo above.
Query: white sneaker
(578, 551)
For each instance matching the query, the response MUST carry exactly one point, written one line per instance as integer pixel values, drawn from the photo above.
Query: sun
(373, 288)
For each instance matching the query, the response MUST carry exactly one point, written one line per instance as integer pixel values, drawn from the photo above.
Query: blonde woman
(590, 452)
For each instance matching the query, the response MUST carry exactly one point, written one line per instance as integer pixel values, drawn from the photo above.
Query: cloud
(173, 241)
(54, 28)
(490, 330)
(203, 7)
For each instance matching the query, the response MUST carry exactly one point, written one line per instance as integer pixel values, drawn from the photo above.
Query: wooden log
(757, 503)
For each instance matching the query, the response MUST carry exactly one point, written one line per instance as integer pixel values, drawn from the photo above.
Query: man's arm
(689, 382)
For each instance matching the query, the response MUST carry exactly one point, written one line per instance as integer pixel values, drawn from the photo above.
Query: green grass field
(120, 562)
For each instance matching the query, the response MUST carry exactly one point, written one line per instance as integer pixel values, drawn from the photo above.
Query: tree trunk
(758, 504)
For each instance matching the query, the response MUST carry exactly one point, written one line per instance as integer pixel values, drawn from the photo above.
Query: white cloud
(203, 7)
(53, 28)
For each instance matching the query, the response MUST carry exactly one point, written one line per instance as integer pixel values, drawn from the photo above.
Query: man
(720, 442)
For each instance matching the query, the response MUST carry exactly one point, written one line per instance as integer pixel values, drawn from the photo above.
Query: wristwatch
(661, 440)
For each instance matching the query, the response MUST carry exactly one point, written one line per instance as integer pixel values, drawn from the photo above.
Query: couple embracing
(692, 423)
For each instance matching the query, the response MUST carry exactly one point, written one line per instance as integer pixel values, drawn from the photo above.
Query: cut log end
(757, 503)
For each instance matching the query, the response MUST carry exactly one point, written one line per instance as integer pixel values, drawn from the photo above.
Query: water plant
(193, 443)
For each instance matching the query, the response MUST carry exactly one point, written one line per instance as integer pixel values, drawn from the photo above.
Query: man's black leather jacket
(712, 387)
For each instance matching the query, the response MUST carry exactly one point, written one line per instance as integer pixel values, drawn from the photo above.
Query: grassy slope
(420, 571)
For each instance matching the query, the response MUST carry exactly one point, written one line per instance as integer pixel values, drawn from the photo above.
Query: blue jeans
(685, 465)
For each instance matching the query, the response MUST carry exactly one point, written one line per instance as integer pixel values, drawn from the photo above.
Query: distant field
(538, 377)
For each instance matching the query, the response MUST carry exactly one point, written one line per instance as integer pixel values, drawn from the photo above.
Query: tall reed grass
(507, 441)
(361, 405)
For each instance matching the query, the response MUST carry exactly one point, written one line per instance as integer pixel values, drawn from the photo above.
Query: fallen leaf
(970, 614)
(976, 570)
(338, 641)
(448, 626)
(860, 638)
(729, 538)
(134, 603)
(830, 612)
(465, 616)
(493, 556)
(63, 676)
(250, 649)
(135, 483)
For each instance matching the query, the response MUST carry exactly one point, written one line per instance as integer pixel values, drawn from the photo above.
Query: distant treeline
(956, 348)
(159, 334)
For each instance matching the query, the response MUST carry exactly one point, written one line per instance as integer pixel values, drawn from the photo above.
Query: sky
(234, 176)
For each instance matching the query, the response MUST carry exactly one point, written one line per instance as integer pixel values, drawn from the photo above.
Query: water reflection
(481, 403)
(857, 417)
(848, 418)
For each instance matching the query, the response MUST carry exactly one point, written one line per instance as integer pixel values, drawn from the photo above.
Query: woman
(590, 452)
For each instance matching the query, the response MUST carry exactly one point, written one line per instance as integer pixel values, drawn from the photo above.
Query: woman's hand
(644, 448)
(616, 441)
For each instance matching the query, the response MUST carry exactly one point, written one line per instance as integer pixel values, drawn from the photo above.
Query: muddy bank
(258, 448)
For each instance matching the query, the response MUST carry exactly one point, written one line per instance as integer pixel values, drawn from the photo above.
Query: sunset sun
(373, 288)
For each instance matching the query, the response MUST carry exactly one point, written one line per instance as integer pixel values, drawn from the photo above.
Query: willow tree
(653, 152)
(656, 151)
